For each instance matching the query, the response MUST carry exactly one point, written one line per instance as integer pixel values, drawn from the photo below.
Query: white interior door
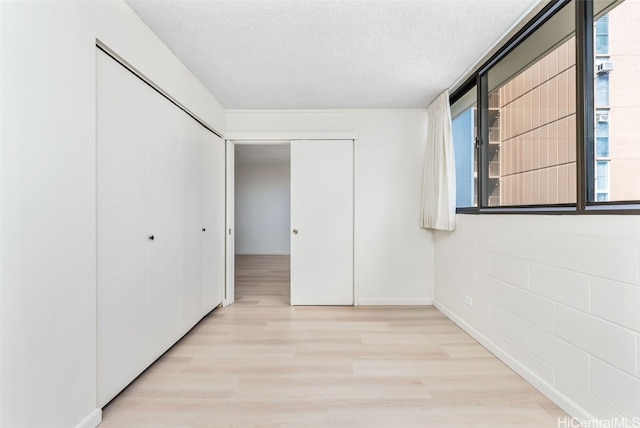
(322, 222)
(230, 229)
(121, 181)
(214, 221)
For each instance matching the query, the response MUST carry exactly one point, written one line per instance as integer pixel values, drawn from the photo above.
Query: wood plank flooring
(262, 280)
(262, 363)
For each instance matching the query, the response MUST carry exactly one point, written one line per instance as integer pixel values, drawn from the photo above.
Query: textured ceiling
(288, 54)
(262, 154)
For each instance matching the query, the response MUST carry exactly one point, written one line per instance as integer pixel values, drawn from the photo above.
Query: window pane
(602, 147)
(464, 134)
(602, 177)
(531, 158)
(602, 88)
(602, 35)
(602, 135)
(617, 87)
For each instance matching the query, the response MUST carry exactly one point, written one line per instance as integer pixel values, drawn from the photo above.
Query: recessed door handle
(295, 231)
(151, 238)
(203, 229)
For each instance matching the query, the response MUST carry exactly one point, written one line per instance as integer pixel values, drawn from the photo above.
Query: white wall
(556, 297)
(393, 256)
(263, 208)
(47, 197)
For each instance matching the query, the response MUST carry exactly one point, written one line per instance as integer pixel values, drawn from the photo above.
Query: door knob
(295, 231)
(151, 238)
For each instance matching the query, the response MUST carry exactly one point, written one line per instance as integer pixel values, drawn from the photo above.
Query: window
(531, 102)
(602, 180)
(602, 135)
(463, 123)
(538, 127)
(602, 35)
(602, 90)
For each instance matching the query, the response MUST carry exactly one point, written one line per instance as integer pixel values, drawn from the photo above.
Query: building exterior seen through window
(535, 150)
(617, 103)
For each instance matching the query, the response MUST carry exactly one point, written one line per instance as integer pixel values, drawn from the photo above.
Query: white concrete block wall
(556, 297)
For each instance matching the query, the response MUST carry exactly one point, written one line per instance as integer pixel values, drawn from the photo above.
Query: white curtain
(439, 181)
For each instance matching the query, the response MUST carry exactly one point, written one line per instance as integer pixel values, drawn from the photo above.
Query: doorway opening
(262, 175)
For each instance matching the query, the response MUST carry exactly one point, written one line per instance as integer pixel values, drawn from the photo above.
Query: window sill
(601, 208)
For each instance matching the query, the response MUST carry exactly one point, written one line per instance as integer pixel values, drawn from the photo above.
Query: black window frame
(585, 116)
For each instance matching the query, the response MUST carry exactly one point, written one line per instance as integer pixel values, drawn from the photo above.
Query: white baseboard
(394, 302)
(561, 400)
(92, 420)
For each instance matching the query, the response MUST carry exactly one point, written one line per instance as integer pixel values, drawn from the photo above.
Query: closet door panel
(193, 222)
(230, 228)
(121, 180)
(214, 219)
(165, 222)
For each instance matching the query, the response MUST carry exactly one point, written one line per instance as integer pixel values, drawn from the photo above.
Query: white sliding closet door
(121, 152)
(322, 222)
(230, 234)
(160, 225)
(214, 220)
(193, 221)
(165, 222)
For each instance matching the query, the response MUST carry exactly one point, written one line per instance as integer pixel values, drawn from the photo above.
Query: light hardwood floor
(262, 363)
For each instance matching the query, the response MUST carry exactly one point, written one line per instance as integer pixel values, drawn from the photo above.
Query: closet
(160, 225)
